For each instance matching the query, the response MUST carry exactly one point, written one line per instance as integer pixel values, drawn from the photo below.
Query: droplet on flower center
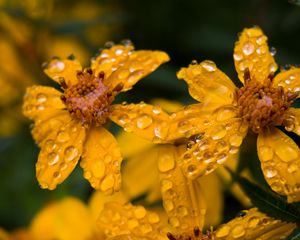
(89, 99)
(261, 104)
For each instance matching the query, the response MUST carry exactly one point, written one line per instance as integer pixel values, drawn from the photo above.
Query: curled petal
(118, 219)
(280, 161)
(60, 152)
(124, 66)
(252, 52)
(252, 224)
(65, 70)
(182, 197)
(289, 80)
(40, 102)
(207, 84)
(214, 147)
(101, 160)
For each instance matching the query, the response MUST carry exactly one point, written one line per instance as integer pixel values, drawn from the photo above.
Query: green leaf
(295, 235)
(267, 201)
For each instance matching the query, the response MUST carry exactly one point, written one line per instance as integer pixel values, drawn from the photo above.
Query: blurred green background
(36, 30)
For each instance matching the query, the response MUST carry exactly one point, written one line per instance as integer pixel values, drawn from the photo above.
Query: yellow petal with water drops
(292, 121)
(252, 224)
(147, 121)
(182, 197)
(63, 70)
(66, 219)
(60, 152)
(289, 80)
(213, 147)
(207, 84)
(125, 219)
(280, 161)
(251, 51)
(123, 66)
(129, 237)
(142, 166)
(4, 235)
(101, 160)
(40, 102)
(167, 105)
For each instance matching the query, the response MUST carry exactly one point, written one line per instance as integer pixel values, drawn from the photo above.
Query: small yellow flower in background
(218, 125)
(184, 204)
(70, 124)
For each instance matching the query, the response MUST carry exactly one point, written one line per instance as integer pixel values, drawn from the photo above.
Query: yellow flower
(184, 204)
(70, 124)
(218, 125)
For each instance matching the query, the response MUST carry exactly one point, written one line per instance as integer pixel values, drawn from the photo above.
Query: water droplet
(190, 144)
(63, 136)
(166, 185)
(168, 205)
(270, 172)
(236, 140)
(49, 145)
(41, 97)
(191, 169)
(184, 126)
(237, 56)
(87, 174)
(276, 187)
(221, 158)
(182, 211)
(218, 132)
(140, 212)
(207, 157)
(63, 166)
(273, 51)
(166, 163)
(145, 228)
(109, 44)
(144, 121)
(253, 222)
(260, 40)
(132, 223)
(225, 113)
(174, 222)
(57, 66)
(71, 153)
(53, 158)
(153, 218)
(233, 150)
(56, 175)
(248, 48)
(273, 67)
(238, 231)
(265, 153)
(98, 169)
(286, 153)
(209, 66)
(107, 183)
(123, 74)
(223, 231)
(156, 110)
(293, 167)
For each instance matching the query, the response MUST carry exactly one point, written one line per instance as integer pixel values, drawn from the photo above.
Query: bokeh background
(33, 31)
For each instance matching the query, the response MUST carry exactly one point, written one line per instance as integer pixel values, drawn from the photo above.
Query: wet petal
(63, 69)
(207, 84)
(60, 152)
(182, 197)
(252, 224)
(129, 237)
(293, 120)
(118, 219)
(40, 102)
(251, 51)
(122, 65)
(214, 147)
(280, 161)
(289, 80)
(101, 160)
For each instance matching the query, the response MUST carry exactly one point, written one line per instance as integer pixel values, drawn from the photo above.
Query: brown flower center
(89, 99)
(195, 235)
(261, 104)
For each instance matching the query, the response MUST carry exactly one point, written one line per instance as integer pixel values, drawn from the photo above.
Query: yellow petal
(118, 219)
(289, 80)
(182, 197)
(214, 147)
(280, 161)
(293, 118)
(140, 174)
(167, 105)
(251, 51)
(129, 237)
(207, 84)
(66, 219)
(101, 160)
(253, 224)
(3, 234)
(40, 102)
(122, 65)
(63, 69)
(60, 152)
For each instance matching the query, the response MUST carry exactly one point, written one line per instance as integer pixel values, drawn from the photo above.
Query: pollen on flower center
(89, 99)
(261, 104)
(195, 235)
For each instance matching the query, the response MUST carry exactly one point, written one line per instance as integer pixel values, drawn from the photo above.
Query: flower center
(261, 104)
(89, 99)
(195, 235)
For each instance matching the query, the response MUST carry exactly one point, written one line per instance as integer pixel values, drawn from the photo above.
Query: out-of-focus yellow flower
(218, 125)
(70, 124)
(185, 206)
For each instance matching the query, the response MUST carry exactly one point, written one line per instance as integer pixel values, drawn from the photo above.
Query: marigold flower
(184, 205)
(218, 125)
(70, 124)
